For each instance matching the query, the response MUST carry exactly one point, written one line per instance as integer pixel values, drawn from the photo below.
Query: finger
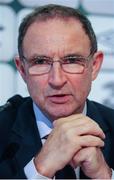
(78, 118)
(70, 118)
(92, 163)
(91, 141)
(84, 125)
(72, 130)
(90, 129)
(82, 156)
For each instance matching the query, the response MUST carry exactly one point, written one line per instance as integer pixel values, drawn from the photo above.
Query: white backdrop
(100, 13)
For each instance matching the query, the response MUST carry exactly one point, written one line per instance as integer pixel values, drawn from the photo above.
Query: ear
(20, 67)
(97, 62)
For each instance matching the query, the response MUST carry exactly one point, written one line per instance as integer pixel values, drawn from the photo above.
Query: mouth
(59, 98)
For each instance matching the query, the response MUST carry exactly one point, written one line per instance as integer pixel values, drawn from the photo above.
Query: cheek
(36, 88)
(86, 83)
(82, 85)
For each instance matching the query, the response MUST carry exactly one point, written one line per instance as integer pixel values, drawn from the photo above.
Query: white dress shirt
(44, 127)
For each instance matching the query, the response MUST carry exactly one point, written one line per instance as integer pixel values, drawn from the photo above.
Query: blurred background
(101, 15)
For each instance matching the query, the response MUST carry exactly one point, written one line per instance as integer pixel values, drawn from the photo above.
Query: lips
(59, 98)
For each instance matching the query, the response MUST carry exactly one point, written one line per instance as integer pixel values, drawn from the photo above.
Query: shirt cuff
(112, 174)
(32, 173)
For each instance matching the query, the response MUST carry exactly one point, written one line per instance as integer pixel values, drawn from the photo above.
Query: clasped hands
(76, 140)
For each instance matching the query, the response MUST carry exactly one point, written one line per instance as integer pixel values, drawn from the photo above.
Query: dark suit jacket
(20, 140)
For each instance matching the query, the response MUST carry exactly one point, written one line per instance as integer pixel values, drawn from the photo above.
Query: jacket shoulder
(9, 110)
(104, 109)
(105, 112)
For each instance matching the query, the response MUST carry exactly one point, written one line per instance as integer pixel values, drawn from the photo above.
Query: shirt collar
(43, 123)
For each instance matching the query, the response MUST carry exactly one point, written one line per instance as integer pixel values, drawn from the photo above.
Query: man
(57, 133)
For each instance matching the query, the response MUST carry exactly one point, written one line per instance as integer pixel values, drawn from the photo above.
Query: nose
(57, 77)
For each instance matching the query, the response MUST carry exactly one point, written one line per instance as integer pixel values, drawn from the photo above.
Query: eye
(72, 60)
(40, 61)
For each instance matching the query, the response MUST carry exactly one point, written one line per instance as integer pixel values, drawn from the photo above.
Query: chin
(59, 111)
(55, 116)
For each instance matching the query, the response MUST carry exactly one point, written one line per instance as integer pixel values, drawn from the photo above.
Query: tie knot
(45, 137)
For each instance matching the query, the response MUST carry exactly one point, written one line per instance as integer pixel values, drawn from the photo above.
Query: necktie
(66, 173)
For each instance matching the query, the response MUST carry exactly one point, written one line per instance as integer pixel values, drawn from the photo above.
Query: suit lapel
(25, 140)
(93, 113)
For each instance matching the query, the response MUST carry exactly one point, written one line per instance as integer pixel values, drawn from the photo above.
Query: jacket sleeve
(8, 165)
(7, 171)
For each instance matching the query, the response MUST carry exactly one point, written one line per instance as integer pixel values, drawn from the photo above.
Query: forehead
(55, 24)
(55, 34)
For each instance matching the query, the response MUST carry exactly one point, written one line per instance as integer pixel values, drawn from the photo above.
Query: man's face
(57, 93)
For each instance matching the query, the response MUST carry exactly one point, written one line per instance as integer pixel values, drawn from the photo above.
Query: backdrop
(100, 13)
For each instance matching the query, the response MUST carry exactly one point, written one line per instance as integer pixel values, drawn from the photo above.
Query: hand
(69, 135)
(92, 162)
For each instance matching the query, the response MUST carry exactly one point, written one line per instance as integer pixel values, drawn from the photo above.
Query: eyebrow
(37, 55)
(73, 55)
(44, 56)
